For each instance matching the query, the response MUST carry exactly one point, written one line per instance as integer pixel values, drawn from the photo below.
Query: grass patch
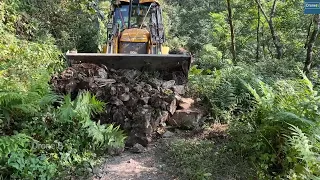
(203, 159)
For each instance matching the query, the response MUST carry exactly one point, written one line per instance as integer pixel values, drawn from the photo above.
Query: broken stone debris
(138, 102)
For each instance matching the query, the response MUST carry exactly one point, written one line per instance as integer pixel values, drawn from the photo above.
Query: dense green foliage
(271, 107)
(276, 126)
(73, 24)
(44, 135)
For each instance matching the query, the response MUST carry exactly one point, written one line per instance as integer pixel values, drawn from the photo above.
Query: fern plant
(80, 111)
(277, 110)
(303, 156)
(223, 91)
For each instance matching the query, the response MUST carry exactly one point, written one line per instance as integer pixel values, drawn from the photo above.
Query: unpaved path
(149, 165)
(135, 166)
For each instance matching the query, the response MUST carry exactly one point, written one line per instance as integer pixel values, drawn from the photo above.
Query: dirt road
(135, 166)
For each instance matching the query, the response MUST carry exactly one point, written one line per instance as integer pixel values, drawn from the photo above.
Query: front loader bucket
(168, 63)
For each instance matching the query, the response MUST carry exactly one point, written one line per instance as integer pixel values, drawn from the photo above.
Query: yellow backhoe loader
(135, 40)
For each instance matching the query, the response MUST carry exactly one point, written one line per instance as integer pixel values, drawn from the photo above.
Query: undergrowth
(274, 122)
(44, 135)
(205, 160)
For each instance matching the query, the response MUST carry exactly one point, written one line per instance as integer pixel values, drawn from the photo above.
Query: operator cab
(135, 28)
(139, 15)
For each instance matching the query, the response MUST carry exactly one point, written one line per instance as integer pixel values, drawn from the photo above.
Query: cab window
(138, 15)
(122, 16)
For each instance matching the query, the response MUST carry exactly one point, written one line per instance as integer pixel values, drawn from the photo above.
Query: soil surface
(136, 166)
(150, 165)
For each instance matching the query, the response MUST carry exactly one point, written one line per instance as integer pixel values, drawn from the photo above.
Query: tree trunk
(310, 44)
(309, 29)
(263, 43)
(258, 37)
(275, 38)
(233, 45)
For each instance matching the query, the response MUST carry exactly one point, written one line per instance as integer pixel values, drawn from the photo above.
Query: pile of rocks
(141, 103)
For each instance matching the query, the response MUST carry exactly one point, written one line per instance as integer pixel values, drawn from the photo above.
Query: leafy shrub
(275, 125)
(71, 126)
(33, 122)
(211, 58)
(31, 167)
(25, 68)
(278, 69)
(223, 90)
(17, 159)
(304, 160)
(72, 25)
(78, 113)
(267, 134)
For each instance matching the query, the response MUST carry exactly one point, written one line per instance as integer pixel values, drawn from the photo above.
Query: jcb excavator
(135, 40)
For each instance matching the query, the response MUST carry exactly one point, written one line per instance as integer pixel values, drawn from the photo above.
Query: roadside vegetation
(256, 70)
(253, 70)
(43, 135)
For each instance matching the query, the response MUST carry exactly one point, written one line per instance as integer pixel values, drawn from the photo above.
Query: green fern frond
(49, 99)
(292, 118)
(301, 143)
(8, 98)
(81, 110)
(96, 105)
(66, 112)
(306, 81)
(252, 91)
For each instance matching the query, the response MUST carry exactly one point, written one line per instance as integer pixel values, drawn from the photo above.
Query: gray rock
(103, 82)
(126, 89)
(186, 118)
(124, 97)
(137, 148)
(162, 117)
(115, 151)
(131, 74)
(148, 87)
(96, 170)
(168, 84)
(145, 100)
(113, 91)
(70, 87)
(103, 73)
(138, 88)
(173, 106)
(179, 89)
(156, 83)
(168, 134)
(116, 101)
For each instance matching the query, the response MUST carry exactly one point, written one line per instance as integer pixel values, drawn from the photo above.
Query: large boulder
(186, 118)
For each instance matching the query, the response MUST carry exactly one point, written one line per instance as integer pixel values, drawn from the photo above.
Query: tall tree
(233, 44)
(310, 43)
(258, 34)
(275, 37)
